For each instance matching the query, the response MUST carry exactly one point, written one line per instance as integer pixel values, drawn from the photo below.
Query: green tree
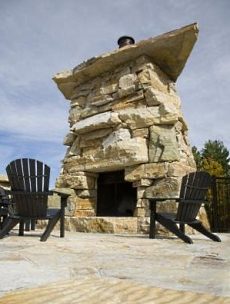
(213, 158)
(212, 167)
(197, 157)
(216, 151)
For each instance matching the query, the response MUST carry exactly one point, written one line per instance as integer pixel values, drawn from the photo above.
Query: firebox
(115, 196)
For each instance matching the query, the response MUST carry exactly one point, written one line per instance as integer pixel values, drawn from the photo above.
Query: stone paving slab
(107, 291)
(108, 268)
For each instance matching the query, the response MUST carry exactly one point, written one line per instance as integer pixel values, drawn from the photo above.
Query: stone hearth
(128, 139)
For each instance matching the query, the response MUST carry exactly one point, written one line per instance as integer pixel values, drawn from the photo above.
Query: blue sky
(41, 38)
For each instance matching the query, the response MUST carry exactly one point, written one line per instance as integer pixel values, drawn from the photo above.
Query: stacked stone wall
(128, 119)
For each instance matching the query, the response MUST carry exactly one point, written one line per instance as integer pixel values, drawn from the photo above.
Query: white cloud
(38, 120)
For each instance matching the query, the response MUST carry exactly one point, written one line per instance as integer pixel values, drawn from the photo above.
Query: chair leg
(199, 227)
(62, 223)
(51, 223)
(152, 227)
(21, 227)
(27, 225)
(172, 226)
(33, 223)
(8, 225)
(182, 227)
(3, 221)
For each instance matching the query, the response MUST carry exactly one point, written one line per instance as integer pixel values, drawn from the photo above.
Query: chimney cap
(125, 40)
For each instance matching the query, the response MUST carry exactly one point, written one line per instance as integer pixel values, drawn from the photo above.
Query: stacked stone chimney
(125, 115)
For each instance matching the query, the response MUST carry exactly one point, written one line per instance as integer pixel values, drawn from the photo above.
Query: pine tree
(216, 151)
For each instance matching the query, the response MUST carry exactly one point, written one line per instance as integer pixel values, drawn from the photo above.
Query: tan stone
(140, 117)
(79, 101)
(163, 145)
(69, 139)
(167, 187)
(75, 148)
(143, 202)
(150, 77)
(143, 182)
(108, 88)
(140, 192)
(85, 204)
(115, 157)
(74, 114)
(202, 215)
(73, 172)
(98, 121)
(86, 193)
(141, 212)
(101, 100)
(89, 111)
(152, 97)
(120, 135)
(105, 224)
(89, 143)
(133, 101)
(151, 170)
(84, 213)
(4, 182)
(61, 181)
(179, 169)
(169, 113)
(143, 133)
(81, 182)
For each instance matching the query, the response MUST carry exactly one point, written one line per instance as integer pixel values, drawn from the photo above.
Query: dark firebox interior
(115, 196)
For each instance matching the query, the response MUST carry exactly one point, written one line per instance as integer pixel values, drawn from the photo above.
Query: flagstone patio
(110, 268)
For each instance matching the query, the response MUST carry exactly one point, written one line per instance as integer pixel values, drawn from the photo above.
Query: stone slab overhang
(169, 51)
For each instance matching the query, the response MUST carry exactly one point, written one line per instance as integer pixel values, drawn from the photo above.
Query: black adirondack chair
(193, 192)
(29, 181)
(4, 206)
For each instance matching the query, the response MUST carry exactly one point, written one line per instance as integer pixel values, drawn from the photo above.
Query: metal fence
(219, 208)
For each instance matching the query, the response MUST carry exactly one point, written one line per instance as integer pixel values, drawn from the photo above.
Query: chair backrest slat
(30, 176)
(40, 181)
(194, 188)
(24, 166)
(33, 179)
(46, 180)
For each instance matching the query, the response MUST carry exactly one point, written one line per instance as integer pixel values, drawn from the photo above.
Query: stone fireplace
(128, 139)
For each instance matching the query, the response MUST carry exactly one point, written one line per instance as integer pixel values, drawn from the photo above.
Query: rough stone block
(179, 169)
(69, 139)
(140, 117)
(143, 133)
(167, 187)
(85, 204)
(143, 182)
(163, 145)
(98, 121)
(109, 88)
(86, 193)
(143, 171)
(81, 182)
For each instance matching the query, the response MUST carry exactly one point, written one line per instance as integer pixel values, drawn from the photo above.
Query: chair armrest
(160, 199)
(64, 197)
(62, 194)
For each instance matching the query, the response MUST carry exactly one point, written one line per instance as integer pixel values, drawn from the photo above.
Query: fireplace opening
(115, 196)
